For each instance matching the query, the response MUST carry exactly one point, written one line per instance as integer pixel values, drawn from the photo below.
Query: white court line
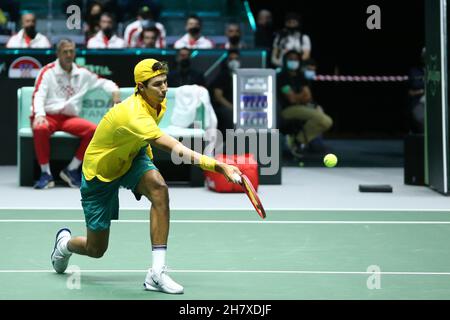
(236, 221)
(415, 210)
(242, 271)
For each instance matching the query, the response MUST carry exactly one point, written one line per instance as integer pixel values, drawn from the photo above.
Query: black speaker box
(414, 155)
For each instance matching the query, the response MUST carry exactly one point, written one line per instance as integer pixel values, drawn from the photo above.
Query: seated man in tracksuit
(56, 103)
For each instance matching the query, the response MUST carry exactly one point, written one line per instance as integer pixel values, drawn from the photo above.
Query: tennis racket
(252, 195)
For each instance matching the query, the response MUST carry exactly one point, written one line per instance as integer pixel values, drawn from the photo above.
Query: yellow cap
(144, 70)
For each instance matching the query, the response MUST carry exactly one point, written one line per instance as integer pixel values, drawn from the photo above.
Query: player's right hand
(39, 121)
(231, 173)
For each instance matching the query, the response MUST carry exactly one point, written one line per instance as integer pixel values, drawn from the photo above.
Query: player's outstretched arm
(170, 144)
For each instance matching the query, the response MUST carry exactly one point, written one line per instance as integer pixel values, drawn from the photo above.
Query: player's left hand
(231, 173)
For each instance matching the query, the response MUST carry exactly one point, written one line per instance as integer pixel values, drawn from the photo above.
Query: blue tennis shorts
(100, 200)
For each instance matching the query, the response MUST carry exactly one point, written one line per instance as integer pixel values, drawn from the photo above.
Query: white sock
(62, 245)
(159, 257)
(46, 168)
(74, 164)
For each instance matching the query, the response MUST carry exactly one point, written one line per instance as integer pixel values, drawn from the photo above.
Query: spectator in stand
(222, 89)
(148, 37)
(92, 24)
(309, 69)
(130, 7)
(144, 19)
(4, 22)
(233, 34)
(297, 105)
(28, 37)
(109, 5)
(183, 73)
(193, 39)
(290, 38)
(264, 33)
(9, 16)
(416, 93)
(57, 97)
(105, 38)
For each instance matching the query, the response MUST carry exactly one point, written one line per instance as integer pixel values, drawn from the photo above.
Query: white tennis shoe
(60, 260)
(161, 282)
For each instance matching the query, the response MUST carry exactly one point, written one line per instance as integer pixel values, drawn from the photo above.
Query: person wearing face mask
(299, 108)
(105, 38)
(28, 37)
(416, 95)
(92, 20)
(144, 20)
(290, 38)
(233, 34)
(222, 89)
(183, 74)
(193, 39)
(264, 30)
(309, 69)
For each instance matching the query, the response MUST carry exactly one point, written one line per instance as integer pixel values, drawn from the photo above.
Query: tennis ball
(330, 160)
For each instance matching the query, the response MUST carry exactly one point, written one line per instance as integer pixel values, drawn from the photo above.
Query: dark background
(342, 44)
(341, 39)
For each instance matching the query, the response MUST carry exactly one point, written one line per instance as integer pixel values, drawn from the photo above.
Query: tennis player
(120, 155)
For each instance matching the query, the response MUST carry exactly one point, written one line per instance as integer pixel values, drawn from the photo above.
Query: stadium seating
(95, 105)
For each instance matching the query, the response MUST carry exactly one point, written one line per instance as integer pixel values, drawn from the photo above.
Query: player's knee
(89, 132)
(92, 130)
(326, 122)
(159, 193)
(41, 130)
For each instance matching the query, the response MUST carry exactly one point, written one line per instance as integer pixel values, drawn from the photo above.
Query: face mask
(30, 31)
(233, 65)
(194, 31)
(185, 63)
(234, 40)
(310, 74)
(108, 32)
(293, 64)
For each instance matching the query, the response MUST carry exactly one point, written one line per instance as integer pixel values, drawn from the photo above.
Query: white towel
(187, 99)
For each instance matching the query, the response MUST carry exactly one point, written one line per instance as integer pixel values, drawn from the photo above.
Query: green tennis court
(229, 255)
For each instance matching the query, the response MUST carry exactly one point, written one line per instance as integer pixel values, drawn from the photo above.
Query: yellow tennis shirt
(119, 137)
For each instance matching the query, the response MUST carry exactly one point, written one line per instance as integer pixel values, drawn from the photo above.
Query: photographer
(290, 38)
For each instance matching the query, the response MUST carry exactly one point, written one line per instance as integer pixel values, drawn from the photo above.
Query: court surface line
(235, 271)
(245, 209)
(233, 221)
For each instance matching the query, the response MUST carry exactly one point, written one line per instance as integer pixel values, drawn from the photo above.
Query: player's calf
(95, 251)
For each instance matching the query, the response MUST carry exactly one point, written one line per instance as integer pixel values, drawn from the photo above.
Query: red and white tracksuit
(134, 29)
(187, 42)
(21, 40)
(100, 41)
(58, 96)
